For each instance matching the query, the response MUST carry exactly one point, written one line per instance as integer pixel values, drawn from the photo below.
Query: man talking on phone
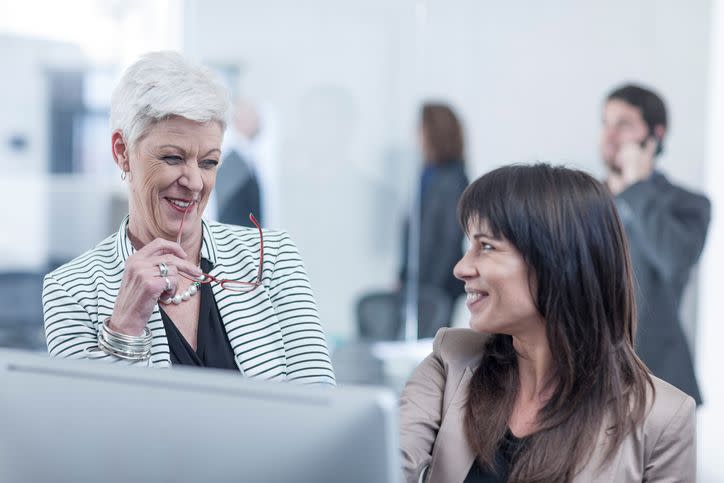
(666, 227)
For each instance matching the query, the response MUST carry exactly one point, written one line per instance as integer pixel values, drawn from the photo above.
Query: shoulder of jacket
(102, 255)
(459, 346)
(663, 183)
(223, 231)
(667, 403)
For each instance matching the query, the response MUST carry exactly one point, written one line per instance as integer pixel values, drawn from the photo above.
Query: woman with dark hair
(437, 237)
(545, 386)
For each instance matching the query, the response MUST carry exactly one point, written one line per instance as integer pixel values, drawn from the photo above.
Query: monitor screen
(87, 421)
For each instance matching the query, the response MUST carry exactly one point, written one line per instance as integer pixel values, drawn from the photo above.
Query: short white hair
(164, 84)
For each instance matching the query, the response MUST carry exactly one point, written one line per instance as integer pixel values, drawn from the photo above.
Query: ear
(120, 150)
(659, 132)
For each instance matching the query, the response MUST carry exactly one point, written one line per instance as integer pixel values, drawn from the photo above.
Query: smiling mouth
(475, 296)
(180, 204)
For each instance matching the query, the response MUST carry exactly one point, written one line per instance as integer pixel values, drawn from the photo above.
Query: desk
(386, 363)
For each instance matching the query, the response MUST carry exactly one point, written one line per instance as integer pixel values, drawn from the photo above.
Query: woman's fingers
(144, 284)
(179, 265)
(159, 246)
(171, 287)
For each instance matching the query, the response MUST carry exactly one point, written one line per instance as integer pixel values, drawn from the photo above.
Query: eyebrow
(182, 149)
(484, 235)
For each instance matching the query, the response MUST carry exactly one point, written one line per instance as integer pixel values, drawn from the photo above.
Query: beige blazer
(435, 449)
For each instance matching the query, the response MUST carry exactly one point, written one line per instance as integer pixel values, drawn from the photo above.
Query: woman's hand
(143, 285)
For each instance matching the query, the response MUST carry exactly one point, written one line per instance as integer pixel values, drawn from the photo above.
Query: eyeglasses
(232, 285)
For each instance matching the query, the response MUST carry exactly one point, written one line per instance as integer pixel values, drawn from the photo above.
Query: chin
(482, 327)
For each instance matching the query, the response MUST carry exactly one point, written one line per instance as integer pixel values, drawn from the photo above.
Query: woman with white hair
(170, 288)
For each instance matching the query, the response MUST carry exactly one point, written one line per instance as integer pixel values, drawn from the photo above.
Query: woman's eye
(209, 163)
(487, 247)
(172, 159)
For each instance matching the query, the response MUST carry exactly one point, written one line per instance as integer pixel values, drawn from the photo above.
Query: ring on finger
(168, 284)
(163, 269)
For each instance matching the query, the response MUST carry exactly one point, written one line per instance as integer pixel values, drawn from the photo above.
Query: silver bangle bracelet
(133, 356)
(112, 339)
(122, 345)
(124, 352)
(145, 336)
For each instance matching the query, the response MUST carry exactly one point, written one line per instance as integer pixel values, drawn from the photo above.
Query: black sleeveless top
(507, 450)
(213, 348)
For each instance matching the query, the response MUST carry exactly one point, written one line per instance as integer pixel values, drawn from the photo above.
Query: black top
(507, 450)
(213, 348)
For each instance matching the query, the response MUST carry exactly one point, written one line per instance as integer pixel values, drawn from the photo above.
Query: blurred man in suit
(666, 227)
(238, 190)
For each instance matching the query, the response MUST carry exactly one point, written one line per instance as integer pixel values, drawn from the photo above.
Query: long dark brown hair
(564, 224)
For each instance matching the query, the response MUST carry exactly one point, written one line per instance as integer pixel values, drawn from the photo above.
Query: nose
(191, 178)
(465, 269)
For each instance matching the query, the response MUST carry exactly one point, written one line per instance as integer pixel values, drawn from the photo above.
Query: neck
(535, 365)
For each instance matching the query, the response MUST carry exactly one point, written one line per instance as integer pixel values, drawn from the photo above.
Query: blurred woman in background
(438, 238)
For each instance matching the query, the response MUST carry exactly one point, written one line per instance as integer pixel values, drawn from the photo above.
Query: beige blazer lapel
(452, 456)
(627, 460)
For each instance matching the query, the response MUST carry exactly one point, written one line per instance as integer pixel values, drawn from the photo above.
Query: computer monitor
(83, 421)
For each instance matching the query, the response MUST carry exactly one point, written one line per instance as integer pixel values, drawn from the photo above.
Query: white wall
(528, 78)
(329, 73)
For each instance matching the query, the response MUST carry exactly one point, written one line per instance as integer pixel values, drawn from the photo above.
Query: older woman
(545, 386)
(170, 288)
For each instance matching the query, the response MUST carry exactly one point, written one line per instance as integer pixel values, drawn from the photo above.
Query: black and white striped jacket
(274, 330)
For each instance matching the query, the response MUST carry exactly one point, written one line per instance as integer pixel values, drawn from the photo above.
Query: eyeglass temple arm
(253, 220)
(261, 246)
(181, 228)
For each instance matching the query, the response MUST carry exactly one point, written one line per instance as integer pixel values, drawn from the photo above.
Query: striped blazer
(274, 330)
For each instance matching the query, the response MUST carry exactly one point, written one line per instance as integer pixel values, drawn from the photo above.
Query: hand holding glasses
(152, 274)
(228, 284)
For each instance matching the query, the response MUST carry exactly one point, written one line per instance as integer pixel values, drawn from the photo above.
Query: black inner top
(213, 348)
(507, 450)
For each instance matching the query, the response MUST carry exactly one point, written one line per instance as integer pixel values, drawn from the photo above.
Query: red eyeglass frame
(238, 285)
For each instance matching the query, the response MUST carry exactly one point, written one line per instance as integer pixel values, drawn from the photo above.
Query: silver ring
(168, 284)
(163, 269)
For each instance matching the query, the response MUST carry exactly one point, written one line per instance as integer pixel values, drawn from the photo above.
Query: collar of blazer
(125, 247)
(453, 456)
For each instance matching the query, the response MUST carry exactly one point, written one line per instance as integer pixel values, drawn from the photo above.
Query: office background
(339, 85)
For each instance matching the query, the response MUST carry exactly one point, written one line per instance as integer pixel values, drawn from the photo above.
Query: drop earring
(123, 176)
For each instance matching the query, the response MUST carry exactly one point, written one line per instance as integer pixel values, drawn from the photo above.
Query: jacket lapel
(452, 456)
(593, 472)
(248, 317)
